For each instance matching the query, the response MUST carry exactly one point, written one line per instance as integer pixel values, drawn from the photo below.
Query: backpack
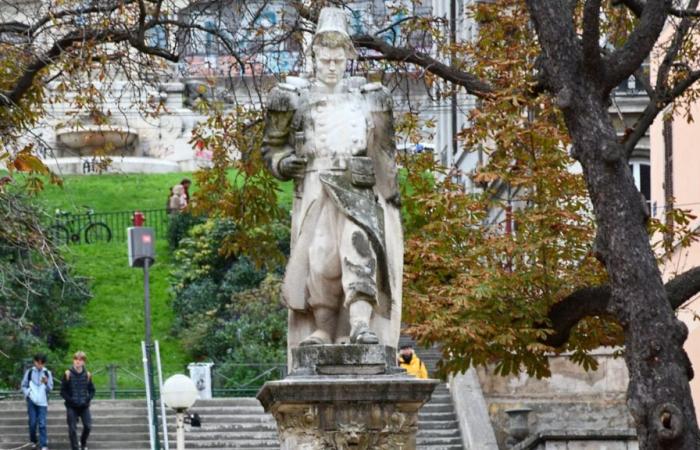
(26, 375)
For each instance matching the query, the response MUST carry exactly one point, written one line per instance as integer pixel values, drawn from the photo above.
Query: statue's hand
(292, 166)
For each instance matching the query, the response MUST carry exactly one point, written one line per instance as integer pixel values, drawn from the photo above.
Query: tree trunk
(659, 370)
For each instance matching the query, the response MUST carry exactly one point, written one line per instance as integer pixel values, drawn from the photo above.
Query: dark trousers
(37, 418)
(72, 414)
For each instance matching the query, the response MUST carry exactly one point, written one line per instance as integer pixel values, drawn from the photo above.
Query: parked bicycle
(69, 228)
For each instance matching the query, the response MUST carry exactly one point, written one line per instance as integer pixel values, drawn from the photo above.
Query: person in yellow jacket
(409, 360)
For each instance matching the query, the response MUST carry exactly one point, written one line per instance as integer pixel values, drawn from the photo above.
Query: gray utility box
(142, 246)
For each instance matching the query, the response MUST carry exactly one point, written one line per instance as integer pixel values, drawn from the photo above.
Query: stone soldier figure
(335, 137)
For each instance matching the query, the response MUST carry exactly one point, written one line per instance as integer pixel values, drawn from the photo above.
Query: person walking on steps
(78, 390)
(36, 385)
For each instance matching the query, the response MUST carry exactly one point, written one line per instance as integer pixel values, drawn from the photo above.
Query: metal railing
(113, 381)
(245, 380)
(116, 221)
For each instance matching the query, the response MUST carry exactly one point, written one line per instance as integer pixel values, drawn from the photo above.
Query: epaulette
(371, 87)
(283, 97)
(297, 82)
(378, 96)
(287, 87)
(355, 82)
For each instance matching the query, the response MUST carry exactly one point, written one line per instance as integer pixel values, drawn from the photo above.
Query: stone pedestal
(346, 397)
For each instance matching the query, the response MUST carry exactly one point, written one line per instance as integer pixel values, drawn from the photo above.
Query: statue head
(331, 46)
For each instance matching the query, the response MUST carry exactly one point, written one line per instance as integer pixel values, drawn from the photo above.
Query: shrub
(179, 225)
(228, 309)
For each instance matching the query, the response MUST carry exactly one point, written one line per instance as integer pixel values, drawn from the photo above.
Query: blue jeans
(37, 417)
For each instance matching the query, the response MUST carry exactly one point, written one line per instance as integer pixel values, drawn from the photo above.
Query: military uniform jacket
(347, 138)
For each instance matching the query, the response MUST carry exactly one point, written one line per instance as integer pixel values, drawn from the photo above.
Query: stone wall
(570, 400)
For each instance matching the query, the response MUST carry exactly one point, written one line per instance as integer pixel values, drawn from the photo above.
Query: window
(641, 171)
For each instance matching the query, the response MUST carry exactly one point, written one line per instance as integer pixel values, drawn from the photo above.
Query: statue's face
(330, 64)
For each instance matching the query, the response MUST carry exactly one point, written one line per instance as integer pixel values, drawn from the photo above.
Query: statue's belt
(361, 168)
(333, 163)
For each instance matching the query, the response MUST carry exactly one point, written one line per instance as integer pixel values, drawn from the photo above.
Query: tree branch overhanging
(637, 7)
(595, 301)
(656, 104)
(471, 83)
(622, 62)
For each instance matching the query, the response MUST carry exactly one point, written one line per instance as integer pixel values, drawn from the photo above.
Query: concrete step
(437, 425)
(235, 423)
(439, 433)
(430, 417)
(436, 408)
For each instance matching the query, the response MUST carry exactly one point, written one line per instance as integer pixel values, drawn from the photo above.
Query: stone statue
(334, 136)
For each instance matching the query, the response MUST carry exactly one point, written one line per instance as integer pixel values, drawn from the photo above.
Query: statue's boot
(326, 322)
(318, 337)
(360, 313)
(362, 334)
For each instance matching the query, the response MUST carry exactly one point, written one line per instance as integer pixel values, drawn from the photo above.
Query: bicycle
(68, 229)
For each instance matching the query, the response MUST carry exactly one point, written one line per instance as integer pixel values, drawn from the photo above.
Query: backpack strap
(89, 374)
(67, 375)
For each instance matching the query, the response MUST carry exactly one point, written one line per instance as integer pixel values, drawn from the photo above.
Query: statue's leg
(359, 268)
(323, 282)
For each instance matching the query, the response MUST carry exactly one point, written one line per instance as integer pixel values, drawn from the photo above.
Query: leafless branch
(595, 301)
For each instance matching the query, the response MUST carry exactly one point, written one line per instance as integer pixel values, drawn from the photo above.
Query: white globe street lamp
(179, 393)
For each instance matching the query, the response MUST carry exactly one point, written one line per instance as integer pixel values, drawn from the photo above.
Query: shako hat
(332, 30)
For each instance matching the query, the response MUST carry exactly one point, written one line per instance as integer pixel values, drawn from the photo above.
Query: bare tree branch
(625, 60)
(215, 32)
(591, 34)
(471, 83)
(26, 80)
(76, 12)
(14, 27)
(637, 6)
(595, 301)
(674, 49)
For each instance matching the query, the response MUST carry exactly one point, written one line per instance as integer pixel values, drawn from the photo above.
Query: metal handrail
(108, 385)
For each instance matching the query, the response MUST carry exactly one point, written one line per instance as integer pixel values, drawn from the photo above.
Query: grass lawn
(113, 325)
(121, 192)
(111, 192)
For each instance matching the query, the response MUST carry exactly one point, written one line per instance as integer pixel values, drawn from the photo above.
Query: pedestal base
(350, 409)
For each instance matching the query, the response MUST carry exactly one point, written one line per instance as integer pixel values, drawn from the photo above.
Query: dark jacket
(77, 388)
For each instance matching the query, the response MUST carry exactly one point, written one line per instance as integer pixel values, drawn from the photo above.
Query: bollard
(113, 381)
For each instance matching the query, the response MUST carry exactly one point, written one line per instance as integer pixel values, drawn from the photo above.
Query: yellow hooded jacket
(415, 367)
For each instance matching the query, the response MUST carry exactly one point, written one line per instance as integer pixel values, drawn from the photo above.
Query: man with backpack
(36, 385)
(78, 390)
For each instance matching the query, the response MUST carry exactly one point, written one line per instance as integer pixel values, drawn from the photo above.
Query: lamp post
(141, 245)
(179, 393)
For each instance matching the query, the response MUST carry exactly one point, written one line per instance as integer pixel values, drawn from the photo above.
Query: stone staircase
(228, 423)
(437, 422)
(117, 424)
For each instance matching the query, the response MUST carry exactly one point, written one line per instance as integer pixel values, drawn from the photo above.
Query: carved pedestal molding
(349, 409)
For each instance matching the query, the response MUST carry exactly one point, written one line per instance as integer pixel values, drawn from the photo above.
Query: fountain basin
(112, 140)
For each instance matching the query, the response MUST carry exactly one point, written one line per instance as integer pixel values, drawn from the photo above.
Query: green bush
(179, 225)
(228, 310)
(248, 333)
